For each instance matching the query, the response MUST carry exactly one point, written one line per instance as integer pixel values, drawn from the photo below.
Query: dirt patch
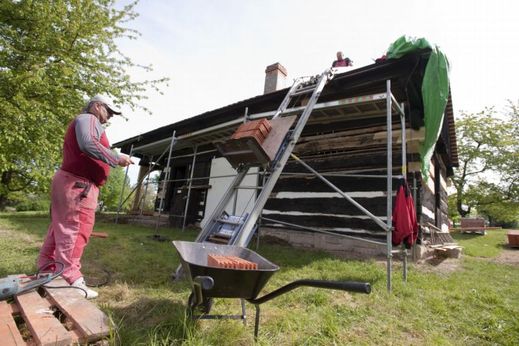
(271, 240)
(508, 256)
(26, 238)
(442, 266)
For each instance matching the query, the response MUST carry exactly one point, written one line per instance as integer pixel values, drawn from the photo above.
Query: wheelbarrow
(208, 282)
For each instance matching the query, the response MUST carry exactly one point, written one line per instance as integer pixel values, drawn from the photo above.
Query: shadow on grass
(506, 246)
(466, 236)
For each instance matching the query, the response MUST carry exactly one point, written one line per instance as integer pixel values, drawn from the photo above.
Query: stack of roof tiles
(230, 262)
(257, 129)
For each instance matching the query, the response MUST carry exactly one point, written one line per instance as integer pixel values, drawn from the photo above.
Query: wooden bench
(59, 317)
(473, 225)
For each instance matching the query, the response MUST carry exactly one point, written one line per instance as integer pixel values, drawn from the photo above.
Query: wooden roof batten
(343, 109)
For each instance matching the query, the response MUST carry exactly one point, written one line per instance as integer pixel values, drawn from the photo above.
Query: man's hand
(124, 160)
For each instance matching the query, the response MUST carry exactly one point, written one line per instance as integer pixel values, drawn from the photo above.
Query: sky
(215, 52)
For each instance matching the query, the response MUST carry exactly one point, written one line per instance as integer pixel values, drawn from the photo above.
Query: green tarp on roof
(435, 91)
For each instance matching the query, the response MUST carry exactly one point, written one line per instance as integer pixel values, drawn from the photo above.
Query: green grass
(489, 245)
(475, 303)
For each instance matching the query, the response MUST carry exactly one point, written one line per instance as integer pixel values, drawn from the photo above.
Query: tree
(149, 193)
(53, 56)
(488, 176)
(110, 193)
(493, 201)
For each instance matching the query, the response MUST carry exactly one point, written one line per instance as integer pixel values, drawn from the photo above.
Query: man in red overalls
(87, 159)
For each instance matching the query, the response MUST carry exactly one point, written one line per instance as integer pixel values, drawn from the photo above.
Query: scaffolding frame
(391, 105)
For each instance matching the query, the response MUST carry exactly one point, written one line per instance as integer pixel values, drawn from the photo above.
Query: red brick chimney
(275, 77)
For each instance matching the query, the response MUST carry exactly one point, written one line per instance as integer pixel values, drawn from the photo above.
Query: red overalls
(75, 188)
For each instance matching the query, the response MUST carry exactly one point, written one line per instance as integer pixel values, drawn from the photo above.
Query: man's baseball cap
(108, 103)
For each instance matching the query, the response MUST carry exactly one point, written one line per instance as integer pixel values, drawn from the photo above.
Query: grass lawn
(472, 301)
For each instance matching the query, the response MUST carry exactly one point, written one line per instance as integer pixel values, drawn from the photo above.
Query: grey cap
(107, 101)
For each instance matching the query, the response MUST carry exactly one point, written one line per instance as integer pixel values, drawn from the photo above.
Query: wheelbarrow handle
(351, 286)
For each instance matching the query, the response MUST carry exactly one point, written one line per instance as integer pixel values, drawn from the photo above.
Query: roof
(406, 76)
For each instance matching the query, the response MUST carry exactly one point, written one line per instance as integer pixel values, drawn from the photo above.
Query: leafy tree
(488, 176)
(493, 201)
(54, 55)
(149, 194)
(21, 201)
(110, 193)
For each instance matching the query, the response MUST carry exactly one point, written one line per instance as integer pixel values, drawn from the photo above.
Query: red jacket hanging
(405, 226)
(411, 238)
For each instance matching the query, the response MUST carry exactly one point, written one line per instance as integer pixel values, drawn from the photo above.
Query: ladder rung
(306, 87)
(217, 240)
(303, 91)
(229, 222)
(239, 152)
(250, 187)
(222, 235)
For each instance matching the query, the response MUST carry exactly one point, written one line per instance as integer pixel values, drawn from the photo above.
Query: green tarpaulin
(435, 91)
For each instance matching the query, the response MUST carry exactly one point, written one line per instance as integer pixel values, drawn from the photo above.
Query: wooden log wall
(433, 208)
(354, 148)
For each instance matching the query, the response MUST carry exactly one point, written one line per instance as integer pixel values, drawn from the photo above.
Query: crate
(55, 317)
(513, 238)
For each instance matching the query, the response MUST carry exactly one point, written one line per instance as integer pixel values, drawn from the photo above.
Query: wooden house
(344, 139)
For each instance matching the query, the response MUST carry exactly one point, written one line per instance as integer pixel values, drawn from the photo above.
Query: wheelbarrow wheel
(204, 308)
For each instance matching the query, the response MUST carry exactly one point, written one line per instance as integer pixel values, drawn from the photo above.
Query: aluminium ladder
(238, 230)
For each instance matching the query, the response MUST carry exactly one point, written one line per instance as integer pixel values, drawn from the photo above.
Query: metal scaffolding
(203, 136)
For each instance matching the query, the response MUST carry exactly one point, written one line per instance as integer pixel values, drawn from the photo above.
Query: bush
(29, 202)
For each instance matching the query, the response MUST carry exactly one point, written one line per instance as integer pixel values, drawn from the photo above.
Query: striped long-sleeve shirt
(86, 150)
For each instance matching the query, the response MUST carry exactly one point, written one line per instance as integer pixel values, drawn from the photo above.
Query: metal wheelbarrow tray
(209, 282)
(228, 283)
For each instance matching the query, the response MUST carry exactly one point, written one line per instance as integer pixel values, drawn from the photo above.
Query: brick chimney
(275, 77)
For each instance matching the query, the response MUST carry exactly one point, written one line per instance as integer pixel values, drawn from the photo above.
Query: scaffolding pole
(339, 191)
(389, 181)
(122, 189)
(374, 242)
(210, 177)
(149, 171)
(344, 175)
(190, 183)
(166, 178)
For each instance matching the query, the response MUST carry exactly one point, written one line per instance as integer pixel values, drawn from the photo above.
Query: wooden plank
(45, 328)
(90, 321)
(347, 161)
(9, 333)
(343, 140)
(345, 133)
(294, 183)
(321, 221)
(336, 206)
(99, 235)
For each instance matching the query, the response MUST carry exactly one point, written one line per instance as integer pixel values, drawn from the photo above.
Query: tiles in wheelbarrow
(231, 262)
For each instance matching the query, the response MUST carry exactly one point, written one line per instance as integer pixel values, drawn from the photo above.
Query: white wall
(219, 186)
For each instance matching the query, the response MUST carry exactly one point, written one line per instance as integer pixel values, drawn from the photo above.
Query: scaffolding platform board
(56, 317)
(246, 150)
